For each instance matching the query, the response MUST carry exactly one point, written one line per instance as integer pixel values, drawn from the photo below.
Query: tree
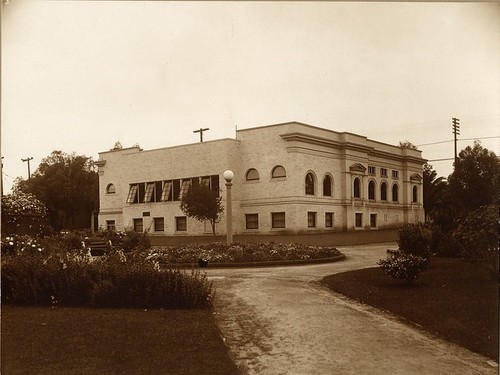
(68, 185)
(23, 214)
(475, 179)
(434, 190)
(202, 203)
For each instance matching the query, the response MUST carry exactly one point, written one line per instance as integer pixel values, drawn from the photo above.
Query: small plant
(415, 239)
(404, 266)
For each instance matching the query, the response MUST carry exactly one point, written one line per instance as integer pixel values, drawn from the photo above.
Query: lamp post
(228, 176)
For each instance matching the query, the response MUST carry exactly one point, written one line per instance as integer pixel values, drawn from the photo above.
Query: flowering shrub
(404, 266)
(23, 213)
(75, 279)
(238, 252)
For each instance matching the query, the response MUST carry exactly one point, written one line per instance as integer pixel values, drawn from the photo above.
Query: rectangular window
(181, 223)
(359, 220)
(138, 227)
(383, 172)
(214, 183)
(166, 193)
(252, 221)
(311, 219)
(132, 194)
(186, 184)
(159, 224)
(329, 219)
(278, 220)
(148, 196)
(158, 191)
(176, 188)
(373, 220)
(110, 225)
(142, 192)
(371, 170)
(395, 174)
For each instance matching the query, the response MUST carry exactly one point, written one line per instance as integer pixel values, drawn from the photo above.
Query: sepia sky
(79, 76)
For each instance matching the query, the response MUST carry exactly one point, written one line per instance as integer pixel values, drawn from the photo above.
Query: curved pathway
(282, 321)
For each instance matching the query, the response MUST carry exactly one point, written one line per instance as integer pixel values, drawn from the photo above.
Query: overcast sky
(78, 76)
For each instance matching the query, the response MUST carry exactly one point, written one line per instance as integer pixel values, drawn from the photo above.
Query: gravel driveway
(282, 321)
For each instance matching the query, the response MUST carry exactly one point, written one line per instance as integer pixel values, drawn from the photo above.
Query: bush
(404, 266)
(448, 246)
(113, 281)
(135, 241)
(415, 239)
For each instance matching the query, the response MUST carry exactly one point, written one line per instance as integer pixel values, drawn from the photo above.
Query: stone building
(289, 178)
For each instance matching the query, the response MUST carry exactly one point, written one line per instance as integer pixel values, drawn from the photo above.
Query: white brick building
(289, 178)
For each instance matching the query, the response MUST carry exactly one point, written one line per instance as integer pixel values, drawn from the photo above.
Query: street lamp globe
(228, 175)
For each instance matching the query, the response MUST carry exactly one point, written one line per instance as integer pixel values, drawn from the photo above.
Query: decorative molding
(358, 167)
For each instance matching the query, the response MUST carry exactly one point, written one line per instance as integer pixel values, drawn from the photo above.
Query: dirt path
(282, 321)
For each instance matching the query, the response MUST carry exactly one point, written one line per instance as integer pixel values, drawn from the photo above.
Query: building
(289, 178)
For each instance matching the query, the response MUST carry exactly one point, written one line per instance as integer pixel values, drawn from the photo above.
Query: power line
(452, 140)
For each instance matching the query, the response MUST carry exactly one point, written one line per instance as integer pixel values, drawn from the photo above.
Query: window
(327, 186)
(383, 191)
(110, 189)
(311, 219)
(110, 225)
(395, 193)
(132, 194)
(252, 221)
(159, 224)
(371, 170)
(358, 220)
(138, 227)
(373, 220)
(329, 219)
(181, 223)
(357, 188)
(167, 189)
(383, 172)
(278, 172)
(176, 190)
(309, 184)
(186, 184)
(278, 220)
(415, 195)
(395, 174)
(148, 195)
(252, 175)
(371, 190)
(158, 191)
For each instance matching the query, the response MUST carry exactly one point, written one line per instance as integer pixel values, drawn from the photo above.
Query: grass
(453, 299)
(111, 341)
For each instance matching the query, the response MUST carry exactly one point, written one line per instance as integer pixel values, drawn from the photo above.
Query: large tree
(434, 191)
(475, 179)
(202, 203)
(68, 185)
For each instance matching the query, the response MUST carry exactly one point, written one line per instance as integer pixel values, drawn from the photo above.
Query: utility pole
(456, 131)
(28, 160)
(1, 181)
(201, 132)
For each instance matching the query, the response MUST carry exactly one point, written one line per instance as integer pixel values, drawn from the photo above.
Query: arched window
(383, 191)
(278, 172)
(415, 194)
(309, 184)
(110, 189)
(252, 175)
(371, 190)
(395, 197)
(357, 188)
(327, 186)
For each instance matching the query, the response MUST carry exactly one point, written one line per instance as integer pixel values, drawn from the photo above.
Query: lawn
(111, 341)
(453, 299)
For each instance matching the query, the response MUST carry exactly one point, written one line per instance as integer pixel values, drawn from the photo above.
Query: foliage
(415, 239)
(475, 181)
(23, 213)
(434, 189)
(404, 266)
(131, 241)
(202, 203)
(477, 236)
(73, 279)
(68, 185)
(239, 252)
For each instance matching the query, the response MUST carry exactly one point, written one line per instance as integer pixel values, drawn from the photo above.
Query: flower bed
(219, 253)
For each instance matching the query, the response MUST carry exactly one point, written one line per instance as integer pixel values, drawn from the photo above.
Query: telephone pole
(28, 160)
(201, 132)
(456, 131)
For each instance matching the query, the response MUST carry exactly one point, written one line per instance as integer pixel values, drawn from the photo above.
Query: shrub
(415, 239)
(404, 266)
(135, 241)
(448, 246)
(113, 281)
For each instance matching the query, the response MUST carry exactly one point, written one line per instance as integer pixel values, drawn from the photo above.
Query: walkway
(282, 321)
